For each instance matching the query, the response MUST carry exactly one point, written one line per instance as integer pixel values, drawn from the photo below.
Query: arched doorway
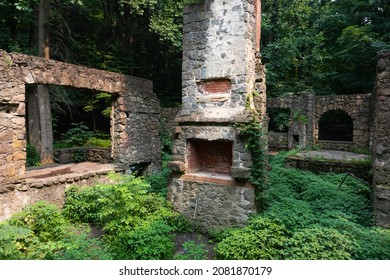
(336, 125)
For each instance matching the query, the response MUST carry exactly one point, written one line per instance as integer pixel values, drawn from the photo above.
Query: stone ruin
(369, 130)
(381, 141)
(211, 166)
(307, 133)
(221, 70)
(135, 118)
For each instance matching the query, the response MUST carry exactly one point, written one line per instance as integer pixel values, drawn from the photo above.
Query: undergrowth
(316, 219)
(307, 217)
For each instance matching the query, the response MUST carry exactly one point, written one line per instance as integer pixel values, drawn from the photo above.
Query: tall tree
(39, 110)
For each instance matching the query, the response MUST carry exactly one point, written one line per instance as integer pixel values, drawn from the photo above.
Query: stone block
(177, 166)
(240, 172)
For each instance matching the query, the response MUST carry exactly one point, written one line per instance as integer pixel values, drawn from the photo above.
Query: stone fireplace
(221, 71)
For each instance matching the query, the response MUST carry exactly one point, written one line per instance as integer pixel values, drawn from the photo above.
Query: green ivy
(255, 143)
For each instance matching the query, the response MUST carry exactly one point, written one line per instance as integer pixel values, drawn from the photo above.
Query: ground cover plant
(308, 217)
(134, 224)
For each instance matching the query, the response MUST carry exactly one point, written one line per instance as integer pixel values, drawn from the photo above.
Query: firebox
(209, 156)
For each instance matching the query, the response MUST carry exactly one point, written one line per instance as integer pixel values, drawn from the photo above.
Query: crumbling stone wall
(357, 106)
(12, 125)
(134, 121)
(381, 141)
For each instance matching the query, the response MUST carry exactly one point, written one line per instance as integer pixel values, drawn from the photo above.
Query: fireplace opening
(214, 157)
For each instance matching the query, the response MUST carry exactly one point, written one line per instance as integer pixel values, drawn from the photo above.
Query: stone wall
(360, 169)
(381, 141)
(50, 189)
(209, 205)
(100, 155)
(134, 121)
(357, 106)
(312, 107)
(12, 125)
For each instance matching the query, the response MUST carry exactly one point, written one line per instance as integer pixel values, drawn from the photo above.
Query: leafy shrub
(41, 232)
(80, 246)
(159, 181)
(76, 136)
(43, 219)
(261, 239)
(135, 222)
(13, 245)
(149, 241)
(33, 157)
(192, 251)
(373, 244)
(319, 244)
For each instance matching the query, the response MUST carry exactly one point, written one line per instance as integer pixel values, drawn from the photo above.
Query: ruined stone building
(223, 84)
(135, 117)
(344, 123)
(220, 73)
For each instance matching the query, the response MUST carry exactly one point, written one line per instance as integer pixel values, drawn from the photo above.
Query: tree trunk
(34, 134)
(45, 120)
(39, 111)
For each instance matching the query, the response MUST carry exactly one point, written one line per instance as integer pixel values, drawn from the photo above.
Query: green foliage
(319, 244)
(149, 241)
(33, 157)
(12, 241)
(280, 119)
(80, 246)
(102, 101)
(41, 232)
(136, 223)
(255, 143)
(159, 182)
(316, 217)
(98, 143)
(43, 219)
(77, 136)
(323, 46)
(262, 239)
(192, 251)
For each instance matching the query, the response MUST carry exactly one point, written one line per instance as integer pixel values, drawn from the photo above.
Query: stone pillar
(221, 72)
(381, 141)
(12, 125)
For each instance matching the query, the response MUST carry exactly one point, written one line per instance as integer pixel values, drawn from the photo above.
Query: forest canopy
(323, 46)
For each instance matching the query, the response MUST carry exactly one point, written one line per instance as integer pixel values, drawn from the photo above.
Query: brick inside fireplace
(210, 156)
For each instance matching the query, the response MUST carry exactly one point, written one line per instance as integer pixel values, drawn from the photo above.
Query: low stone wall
(202, 202)
(100, 155)
(336, 145)
(277, 140)
(51, 190)
(361, 169)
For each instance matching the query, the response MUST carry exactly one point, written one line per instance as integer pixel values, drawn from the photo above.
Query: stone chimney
(221, 72)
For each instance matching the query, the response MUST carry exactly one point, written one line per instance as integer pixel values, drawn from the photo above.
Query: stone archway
(335, 125)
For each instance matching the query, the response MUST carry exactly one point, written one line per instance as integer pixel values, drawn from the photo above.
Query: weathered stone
(177, 166)
(240, 172)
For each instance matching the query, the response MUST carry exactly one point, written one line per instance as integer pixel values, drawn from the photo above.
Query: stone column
(12, 125)
(381, 141)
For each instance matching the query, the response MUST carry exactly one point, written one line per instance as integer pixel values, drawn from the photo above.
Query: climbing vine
(255, 143)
